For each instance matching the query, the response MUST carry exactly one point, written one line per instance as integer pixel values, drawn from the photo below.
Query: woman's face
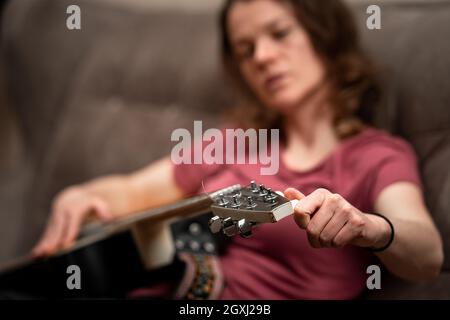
(274, 52)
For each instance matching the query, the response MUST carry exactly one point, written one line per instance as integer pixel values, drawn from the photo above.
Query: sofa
(77, 104)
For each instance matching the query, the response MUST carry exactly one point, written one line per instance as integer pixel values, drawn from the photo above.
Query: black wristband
(391, 239)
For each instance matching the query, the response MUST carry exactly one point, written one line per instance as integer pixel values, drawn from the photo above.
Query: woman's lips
(275, 82)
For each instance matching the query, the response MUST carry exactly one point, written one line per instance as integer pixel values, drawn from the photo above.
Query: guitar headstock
(243, 209)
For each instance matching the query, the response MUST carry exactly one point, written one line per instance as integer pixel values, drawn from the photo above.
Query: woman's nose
(265, 51)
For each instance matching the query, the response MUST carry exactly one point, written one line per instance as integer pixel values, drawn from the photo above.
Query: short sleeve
(397, 162)
(189, 175)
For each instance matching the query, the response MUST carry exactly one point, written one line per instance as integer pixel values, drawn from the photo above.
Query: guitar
(113, 257)
(240, 211)
(116, 257)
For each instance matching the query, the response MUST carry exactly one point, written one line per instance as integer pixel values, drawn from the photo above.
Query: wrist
(383, 232)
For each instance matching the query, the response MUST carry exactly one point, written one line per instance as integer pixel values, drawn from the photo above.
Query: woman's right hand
(70, 208)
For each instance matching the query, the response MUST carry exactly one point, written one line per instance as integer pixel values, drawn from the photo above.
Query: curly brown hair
(353, 84)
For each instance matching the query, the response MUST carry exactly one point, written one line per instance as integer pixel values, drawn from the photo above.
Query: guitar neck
(181, 209)
(192, 206)
(97, 231)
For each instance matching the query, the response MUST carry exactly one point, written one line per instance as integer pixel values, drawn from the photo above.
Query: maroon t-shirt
(277, 262)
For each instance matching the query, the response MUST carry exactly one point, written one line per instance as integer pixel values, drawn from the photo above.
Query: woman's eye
(245, 52)
(280, 34)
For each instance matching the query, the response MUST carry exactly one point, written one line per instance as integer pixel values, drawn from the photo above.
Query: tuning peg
(235, 202)
(250, 203)
(222, 201)
(253, 186)
(244, 228)
(262, 190)
(271, 196)
(229, 227)
(247, 234)
(215, 224)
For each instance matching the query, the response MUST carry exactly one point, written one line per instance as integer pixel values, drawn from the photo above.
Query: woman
(300, 68)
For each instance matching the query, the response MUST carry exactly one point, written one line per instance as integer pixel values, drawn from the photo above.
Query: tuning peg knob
(253, 186)
(250, 203)
(235, 203)
(247, 234)
(215, 224)
(271, 196)
(244, 228)
(229, 227)
(262, 190)
(222, 201)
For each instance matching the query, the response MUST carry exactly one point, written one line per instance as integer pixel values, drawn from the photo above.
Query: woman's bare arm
(149, 187)
(106, 198)
(416, 252)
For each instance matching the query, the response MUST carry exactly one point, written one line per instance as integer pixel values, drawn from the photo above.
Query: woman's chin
(286, 100)
(283, 105)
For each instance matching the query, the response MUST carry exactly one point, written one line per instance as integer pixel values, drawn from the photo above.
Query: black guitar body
(108, 258)
(108, 269)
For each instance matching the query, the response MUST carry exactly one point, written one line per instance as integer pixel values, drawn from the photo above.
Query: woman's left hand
(331, 222)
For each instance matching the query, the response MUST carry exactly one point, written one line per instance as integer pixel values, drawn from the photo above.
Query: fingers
(66, 220)
(333, 227)
(313, 201)
(75, 219)
(38, 249)
(73, 227)
(329, 220)
(56, 234)
(320, 220)
(101, 210)
(52, 235)
(346, 235)
(306, 205)
(302, 219)
(293, 194)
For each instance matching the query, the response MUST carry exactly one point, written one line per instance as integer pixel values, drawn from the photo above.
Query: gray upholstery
(79, 104)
